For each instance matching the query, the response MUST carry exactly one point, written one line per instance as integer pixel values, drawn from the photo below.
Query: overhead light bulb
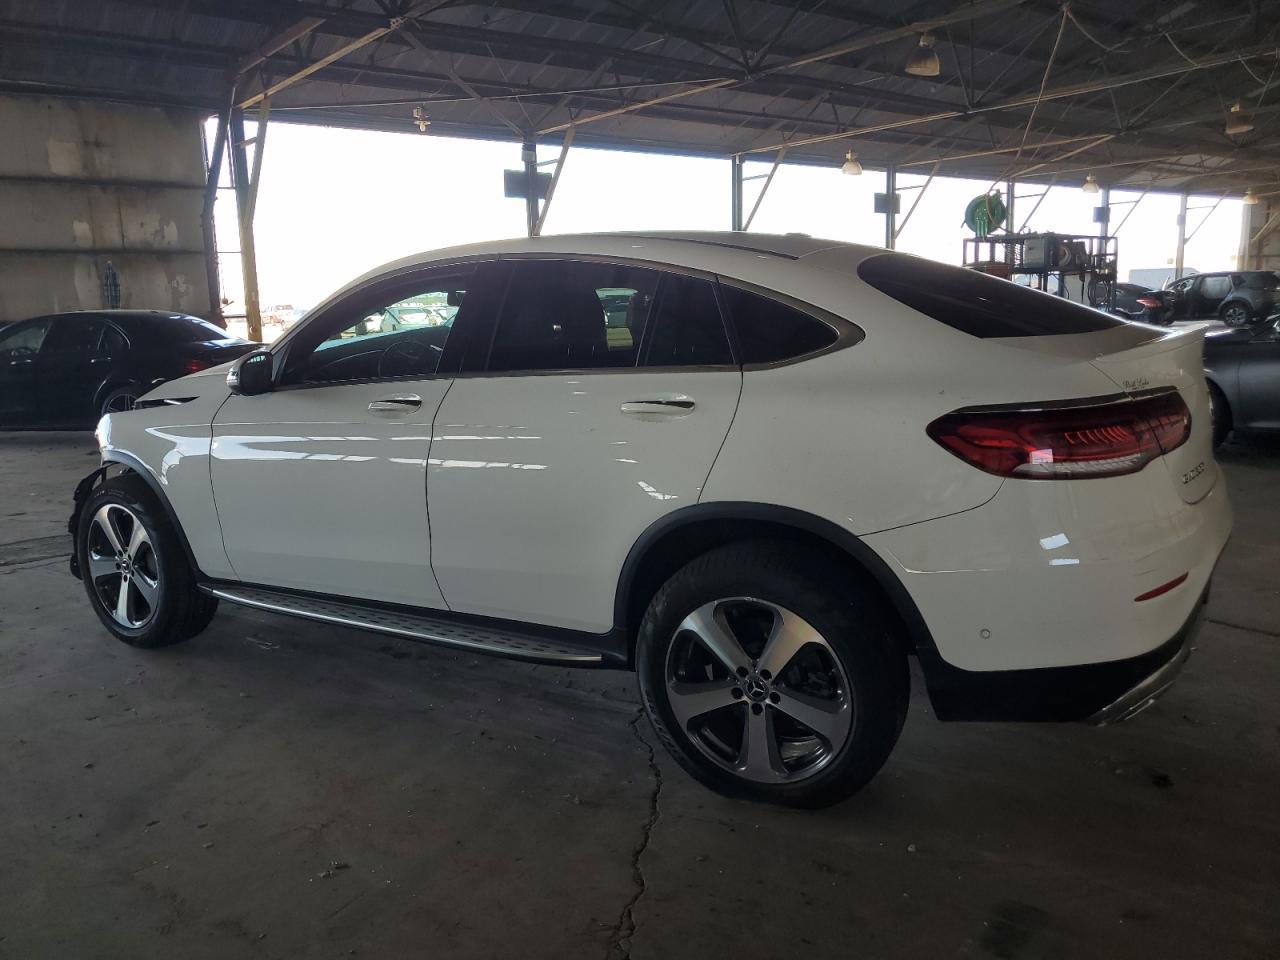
(1090, 184)
(923, 62)
(1238, 121)
(851, 165)
(1250, 198)
(421, 119)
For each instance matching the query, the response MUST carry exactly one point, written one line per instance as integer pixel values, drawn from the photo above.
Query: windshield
(180, 328)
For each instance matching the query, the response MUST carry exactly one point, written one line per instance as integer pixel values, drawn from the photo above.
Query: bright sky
(335, 203)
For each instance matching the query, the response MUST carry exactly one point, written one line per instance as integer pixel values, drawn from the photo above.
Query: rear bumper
(1098, 693)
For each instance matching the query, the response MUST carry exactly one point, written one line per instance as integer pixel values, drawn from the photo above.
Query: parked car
(1135, 302)
(812, 461)
(66, 370)
(1234, 297)
(1242, 365)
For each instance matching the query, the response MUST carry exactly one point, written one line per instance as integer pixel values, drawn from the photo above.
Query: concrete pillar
(1182, 238)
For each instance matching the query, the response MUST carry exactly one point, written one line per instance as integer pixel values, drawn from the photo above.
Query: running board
(503, 642)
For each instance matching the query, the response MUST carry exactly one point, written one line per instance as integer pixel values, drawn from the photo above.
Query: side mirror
(251, 374)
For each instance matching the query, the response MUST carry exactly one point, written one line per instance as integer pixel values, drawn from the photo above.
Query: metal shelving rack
(1075, 266)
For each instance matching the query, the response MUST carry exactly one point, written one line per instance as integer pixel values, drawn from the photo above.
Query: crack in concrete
(1240, 626)
(625, 928)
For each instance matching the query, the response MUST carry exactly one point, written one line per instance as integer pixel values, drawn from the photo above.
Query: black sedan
(67, 370)
(1242, 365)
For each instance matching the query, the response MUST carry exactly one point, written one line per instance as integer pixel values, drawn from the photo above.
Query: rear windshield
(977, 304)
(178, 328)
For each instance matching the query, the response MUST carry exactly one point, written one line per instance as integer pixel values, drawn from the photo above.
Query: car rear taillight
(195, 366)
(1149, 302)
(1104, 439)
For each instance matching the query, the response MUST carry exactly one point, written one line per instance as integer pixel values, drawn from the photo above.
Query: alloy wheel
(122, 566)
(758, 690)
(121, 403)
(1235, 315)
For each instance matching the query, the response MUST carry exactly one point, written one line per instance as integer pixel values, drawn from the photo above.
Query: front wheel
(768, 678)
(1235, 314)
(137, 577)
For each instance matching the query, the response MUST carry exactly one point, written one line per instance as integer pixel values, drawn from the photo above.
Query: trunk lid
(1173, 360)
(1138, 359)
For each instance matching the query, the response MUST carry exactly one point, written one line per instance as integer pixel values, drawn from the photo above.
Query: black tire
(119, 400)
(180, 610)
(851, 621)
(1235, 314)
(1221, 412)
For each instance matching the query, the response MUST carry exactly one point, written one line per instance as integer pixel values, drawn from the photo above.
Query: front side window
(401, 336)
(566, 315)
(24, 342)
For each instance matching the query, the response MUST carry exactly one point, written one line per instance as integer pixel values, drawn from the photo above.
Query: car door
(1179, 299)
(1212, 290)
(599, 406)
(1259, 381)
(71, 367)
(320, 484)
(19, 348)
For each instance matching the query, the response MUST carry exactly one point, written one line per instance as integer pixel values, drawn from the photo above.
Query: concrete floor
(279, 789)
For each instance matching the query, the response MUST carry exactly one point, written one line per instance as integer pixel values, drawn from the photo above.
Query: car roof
(126, 315)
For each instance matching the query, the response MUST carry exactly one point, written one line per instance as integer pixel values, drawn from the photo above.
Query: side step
(502, 642)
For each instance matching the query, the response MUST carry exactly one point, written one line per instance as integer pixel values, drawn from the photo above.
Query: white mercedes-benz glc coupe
(760, 471)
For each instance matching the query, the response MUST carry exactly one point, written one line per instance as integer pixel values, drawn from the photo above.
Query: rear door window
(72, 335)
(978, 304)
(686, 328)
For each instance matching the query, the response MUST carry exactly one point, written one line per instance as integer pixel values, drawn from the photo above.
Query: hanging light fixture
(923, 61)
(1250, 198)
(1090, 184)
(421, 119)
(1238, 121)
(851, 165)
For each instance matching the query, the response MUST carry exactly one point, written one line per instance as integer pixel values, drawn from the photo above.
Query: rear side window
(977, 304)
(770, 331)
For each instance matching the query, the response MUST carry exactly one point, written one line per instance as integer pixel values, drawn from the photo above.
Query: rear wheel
(1235, 314)
(119, 400)
(767, 678)
(137, 577)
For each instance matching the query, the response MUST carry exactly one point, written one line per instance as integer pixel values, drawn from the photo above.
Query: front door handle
(659, 407)
(400, 403)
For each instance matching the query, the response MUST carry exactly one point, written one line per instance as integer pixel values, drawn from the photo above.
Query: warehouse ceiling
(1140, 94)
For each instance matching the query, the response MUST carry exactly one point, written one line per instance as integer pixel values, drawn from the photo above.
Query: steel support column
(1105, 206)
(735, 193)
(1009, 188)
(890, 198)
(209, 235)
(1182, 238)
(529, 154)
(244, 207)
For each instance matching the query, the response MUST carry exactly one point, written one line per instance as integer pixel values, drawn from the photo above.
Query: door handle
(21, 363)
(659, 407)
(400, 403)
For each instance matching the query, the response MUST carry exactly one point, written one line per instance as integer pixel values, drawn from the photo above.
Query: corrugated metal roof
(512, 68)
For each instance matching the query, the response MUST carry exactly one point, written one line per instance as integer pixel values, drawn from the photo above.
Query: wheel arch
(677, 538)
(134, 466)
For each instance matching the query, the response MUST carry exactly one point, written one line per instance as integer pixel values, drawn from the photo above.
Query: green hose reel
(985, 214)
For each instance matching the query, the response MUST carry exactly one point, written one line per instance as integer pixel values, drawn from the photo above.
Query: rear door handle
(659, 407)
(400, 403)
